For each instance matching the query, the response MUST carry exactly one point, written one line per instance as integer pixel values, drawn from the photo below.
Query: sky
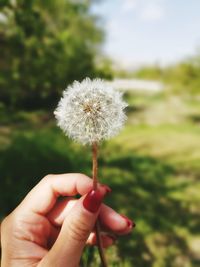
(145, 32)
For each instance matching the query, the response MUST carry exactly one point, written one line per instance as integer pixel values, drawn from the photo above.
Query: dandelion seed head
(90, 111)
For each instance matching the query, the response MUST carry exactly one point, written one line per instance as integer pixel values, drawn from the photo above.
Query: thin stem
(100, 245)
(97, 225)
(94, 165)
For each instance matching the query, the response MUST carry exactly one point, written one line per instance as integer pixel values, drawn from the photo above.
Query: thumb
(79, 223)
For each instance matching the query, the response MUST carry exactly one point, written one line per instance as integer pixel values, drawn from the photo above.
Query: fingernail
(93, 201)
(107, 188)
(130, 223)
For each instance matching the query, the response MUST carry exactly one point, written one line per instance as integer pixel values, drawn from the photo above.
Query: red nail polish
(93, 201)
(107, 188)
(130, 223)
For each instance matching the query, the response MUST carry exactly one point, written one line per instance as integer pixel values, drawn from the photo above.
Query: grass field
(152, 166)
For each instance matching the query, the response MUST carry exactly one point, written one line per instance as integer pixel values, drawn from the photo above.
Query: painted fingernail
(93, 201)
(107, 188)
(130, 223)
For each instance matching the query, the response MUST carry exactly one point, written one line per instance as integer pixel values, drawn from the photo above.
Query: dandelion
(89, 112)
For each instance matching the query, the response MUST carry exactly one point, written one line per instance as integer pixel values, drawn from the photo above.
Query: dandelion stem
(97, 225)
(94, 165)
(99, 244)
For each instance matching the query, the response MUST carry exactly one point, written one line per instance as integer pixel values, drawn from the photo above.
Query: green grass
(152, 166)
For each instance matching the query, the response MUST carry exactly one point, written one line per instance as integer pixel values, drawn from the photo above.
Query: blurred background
(148, 49)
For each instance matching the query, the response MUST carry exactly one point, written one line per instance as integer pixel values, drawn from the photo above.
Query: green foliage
(182, 78)
(44, 46)
(149, 72)
(185, 76)
(33, 154)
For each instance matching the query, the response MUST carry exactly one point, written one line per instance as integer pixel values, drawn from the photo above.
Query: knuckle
(4, 223)
(47, 177)
(8, 225)
(81, 175)
(18, 229)
(8, 221)
(13, 225)
(78, 231)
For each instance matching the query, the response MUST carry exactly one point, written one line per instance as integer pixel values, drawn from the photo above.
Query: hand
(50, 227)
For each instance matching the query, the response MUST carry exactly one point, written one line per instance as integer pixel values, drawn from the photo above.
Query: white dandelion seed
(90, 111)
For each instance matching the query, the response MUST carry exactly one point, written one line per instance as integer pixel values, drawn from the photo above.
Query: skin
(50, 227)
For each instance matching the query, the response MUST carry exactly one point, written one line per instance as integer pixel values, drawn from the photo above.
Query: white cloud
(152, 11)
(113, 27)
(129, 5)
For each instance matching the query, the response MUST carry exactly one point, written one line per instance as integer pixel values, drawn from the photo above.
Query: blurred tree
(44, 46)
(185, 76)
(153, 72)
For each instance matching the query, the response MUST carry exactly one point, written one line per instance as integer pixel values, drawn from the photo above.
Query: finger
(54, 232)
(107, 240)
(110, 219)
(75, 231)
(44, 195)
(114, 221)
(60, 210)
